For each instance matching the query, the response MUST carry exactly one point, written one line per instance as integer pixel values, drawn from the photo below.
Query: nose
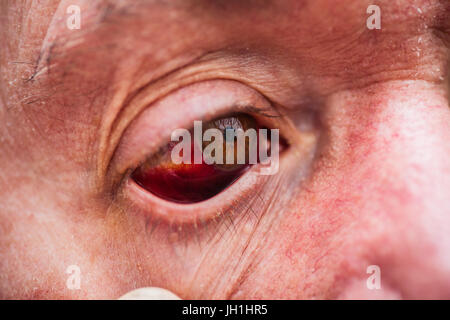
(395, 193)
(378, 199)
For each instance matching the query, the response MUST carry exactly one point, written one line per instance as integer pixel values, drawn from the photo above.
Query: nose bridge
(400, 129)
(393, 139)
(411, 143)
(380, 196)
(402, 156)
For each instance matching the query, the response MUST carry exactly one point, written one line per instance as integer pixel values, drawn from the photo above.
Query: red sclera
(187, 183)
(191, 183)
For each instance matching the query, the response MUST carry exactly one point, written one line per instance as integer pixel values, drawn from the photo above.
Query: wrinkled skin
(376, 190)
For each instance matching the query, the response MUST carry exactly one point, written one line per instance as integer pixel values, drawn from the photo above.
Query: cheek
(379, 196)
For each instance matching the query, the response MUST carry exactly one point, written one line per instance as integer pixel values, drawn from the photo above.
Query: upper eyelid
(248, 109)
(264, 112)
(187, 72)
(251, 110)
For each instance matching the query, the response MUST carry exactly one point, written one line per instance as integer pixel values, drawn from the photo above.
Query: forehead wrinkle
(57, 35)
(111, 11)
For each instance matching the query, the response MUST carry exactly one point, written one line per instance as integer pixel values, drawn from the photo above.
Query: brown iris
(190, 183)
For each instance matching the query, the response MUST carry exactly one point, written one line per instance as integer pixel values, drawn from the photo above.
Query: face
(364, 170)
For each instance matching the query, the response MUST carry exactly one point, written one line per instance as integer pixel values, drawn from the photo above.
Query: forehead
(301, 23)
(305, 29)
(287, 39)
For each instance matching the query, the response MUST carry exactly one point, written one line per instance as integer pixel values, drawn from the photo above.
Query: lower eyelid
(150, 205)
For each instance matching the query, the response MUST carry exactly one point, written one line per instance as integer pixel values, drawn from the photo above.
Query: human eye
(194, 181)
(156, 186)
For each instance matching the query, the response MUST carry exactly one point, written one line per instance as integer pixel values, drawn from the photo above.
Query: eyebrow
(110, 8)
(109, 12)
(234, 5)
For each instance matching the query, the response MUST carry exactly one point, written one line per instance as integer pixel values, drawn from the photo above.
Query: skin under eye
(195, 182)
